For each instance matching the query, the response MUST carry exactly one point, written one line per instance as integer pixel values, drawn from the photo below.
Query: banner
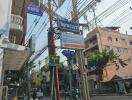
(73, 41)
(5, 14)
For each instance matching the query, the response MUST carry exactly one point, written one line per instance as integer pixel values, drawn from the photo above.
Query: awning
(119, 78)
(14, 59)
(14, 55)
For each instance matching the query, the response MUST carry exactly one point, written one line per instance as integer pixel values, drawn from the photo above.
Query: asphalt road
(100, 98)
(111, 98)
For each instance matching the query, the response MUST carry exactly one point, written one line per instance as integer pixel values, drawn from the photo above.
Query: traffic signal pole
(53, 69)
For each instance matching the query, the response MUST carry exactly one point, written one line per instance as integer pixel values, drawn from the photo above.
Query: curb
(110, 95)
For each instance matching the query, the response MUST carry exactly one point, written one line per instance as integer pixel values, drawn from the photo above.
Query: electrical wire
(117, 5)
(118, 17)
(124, 19)
(29, 35)
(69, 13)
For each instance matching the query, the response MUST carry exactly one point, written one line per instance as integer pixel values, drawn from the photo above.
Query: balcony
(16, 23)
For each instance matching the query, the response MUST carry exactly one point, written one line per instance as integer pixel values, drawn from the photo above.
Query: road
(111, 98)
(101, 98)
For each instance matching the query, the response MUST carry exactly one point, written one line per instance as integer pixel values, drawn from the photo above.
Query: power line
(119, 16)
(29, 35)
(117, 5)
(32, 24)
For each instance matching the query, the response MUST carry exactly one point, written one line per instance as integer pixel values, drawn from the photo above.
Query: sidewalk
(112, 94)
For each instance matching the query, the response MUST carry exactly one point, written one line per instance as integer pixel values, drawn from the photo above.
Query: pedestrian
(34, 95)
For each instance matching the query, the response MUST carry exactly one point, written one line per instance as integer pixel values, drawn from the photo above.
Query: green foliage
(100, 59)
(37, 77)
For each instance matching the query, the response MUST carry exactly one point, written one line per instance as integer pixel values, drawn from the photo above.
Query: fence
(3, 92)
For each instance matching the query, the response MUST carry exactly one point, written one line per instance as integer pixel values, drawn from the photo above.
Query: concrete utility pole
(53, 69)
(80, 56)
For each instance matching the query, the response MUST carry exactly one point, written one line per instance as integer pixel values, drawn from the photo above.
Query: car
(39, 94)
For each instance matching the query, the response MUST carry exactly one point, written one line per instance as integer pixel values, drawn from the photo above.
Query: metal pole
(39, 63)
(70, 77)
(57, 83)
(51, 45)
(52, 86)
(95, 19)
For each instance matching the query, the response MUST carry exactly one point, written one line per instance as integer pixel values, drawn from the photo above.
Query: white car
(39, 95)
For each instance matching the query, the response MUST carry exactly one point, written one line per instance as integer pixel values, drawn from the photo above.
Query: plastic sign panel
(68, 26)
(35, 10)
(68, 53)
(54, 60)
(5, 15)
(73, 41)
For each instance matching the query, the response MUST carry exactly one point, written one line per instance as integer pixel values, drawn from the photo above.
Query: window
(126, 50)
(108, 48)
(123, 40)
(116, 39)
(130, 42)
(110, 38)
(118, 49)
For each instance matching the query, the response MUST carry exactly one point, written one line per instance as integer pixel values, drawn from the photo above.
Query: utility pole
(39, 63)
(95, 19)
(80, 56)
(70, 77)
(53, 69)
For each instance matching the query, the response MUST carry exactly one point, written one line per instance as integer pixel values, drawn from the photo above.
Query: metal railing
(16, 22)
(3, 92)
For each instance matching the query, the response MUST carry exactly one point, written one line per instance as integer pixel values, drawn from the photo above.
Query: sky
(41, 39)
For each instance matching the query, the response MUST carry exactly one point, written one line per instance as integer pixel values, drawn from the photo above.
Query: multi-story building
(110, 38)
(18, 21)
(13, 54)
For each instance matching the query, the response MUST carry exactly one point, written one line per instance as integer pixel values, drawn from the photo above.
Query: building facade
(107, 38)
(18, 21)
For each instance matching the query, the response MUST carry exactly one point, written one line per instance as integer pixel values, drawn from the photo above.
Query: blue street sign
(35, 10)
(68, 26)
(68, 53)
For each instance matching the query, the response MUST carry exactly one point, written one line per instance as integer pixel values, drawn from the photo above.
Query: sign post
(69, 54)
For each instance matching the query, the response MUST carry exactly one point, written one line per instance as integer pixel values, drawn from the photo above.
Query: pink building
(108, 38)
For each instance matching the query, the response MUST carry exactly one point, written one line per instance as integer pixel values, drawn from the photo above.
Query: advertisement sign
(54, 60)
(5, 14)
(73, 41)
(68, 53)
(34, 9)
(68, 26)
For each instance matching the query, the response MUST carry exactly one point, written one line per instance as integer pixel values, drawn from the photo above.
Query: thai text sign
(35, 10)
(68, 26)
(54, 60)
(74, 41)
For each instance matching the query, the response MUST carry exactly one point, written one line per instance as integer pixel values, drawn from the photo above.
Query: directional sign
(68, 26)
(68, 53)
(54, 60)
(35, 10)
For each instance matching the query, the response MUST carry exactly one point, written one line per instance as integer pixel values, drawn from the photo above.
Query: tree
(37, 77)
(99, 60)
